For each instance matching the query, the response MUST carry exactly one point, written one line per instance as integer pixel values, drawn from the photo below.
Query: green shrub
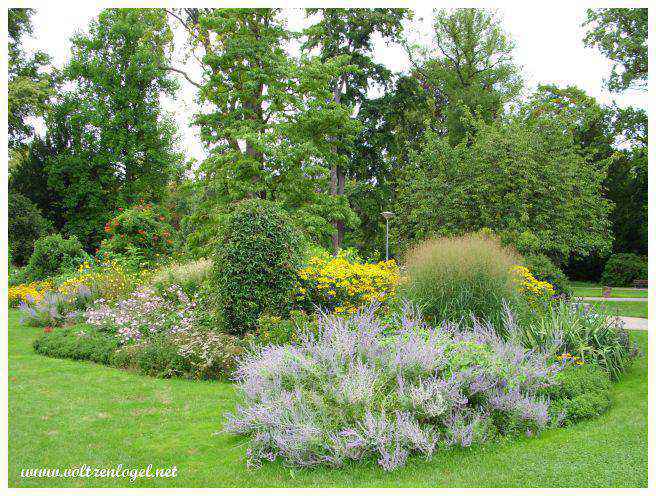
(25, 225)
(54, 255)
(142, 235)
(80, 342)
(157, 357)
(255, 265)
(544, 269)
(622, 269)
(455, 278)
(567, 328)
(192, 355)
(579, 392)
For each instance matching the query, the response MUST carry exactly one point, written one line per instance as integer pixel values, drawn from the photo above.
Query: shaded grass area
(623, 308)
(64, 413)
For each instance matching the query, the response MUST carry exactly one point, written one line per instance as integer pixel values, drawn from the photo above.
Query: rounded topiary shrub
(25, 225)
(54, 255)
(543, 269)
(459, 277)
(622, 269)
(255, 265)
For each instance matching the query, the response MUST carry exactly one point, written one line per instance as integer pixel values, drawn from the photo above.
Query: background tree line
(452, 145)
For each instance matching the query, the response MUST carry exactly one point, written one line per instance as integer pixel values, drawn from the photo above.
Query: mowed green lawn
(65, 414)
(615, 292)
(623, 308)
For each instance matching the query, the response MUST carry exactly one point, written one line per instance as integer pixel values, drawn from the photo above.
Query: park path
(634, 323)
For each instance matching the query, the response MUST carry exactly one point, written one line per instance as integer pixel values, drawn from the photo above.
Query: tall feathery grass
(459, 277)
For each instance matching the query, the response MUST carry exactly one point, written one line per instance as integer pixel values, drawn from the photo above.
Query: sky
(548, 47)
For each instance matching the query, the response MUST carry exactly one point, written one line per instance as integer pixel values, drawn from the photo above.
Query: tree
(350, 33)
(471, 72)
(29, 86)
(621, 35)
(25, 226)
(522, 178)
(111, 142)
(266, 117)
(591, 124)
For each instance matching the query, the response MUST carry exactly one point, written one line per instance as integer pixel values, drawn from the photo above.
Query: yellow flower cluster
(534, 290)
(570, 358)
(35, 290)
(106, 279)
(336, 284)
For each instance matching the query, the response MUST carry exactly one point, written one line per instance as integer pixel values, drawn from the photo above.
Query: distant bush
(54, 255)
(622, 269)
(357, 388)
(579, 392)
(25, 225)
(255, 265)
(80, 342)
(455, 278)
(544, 269)
(142, 235)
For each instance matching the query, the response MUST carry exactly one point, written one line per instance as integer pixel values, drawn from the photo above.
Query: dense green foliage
(80, 342)
(54, 255)
(29, 86)
(581, 392)
(25, 226)
(496, 179)
(255, 265)
(108, 141)
(456, 278)
(622, 269)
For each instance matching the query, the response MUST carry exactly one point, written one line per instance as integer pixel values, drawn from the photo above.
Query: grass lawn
(623, 308)
(615, 292)
(65, 413)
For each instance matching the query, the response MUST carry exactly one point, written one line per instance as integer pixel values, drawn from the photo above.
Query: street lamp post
(388, 216)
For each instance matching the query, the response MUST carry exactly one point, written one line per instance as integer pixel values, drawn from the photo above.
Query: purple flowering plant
(359, 387)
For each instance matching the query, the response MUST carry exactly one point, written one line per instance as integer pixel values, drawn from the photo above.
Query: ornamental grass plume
(457, 277)
(359, 388)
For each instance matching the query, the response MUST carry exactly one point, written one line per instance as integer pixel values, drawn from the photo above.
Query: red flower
(141, 231)
(47, 329)
(97, 250)
(120, 209)
(161, 217)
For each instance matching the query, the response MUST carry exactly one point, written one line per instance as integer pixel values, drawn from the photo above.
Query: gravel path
(634, 323)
